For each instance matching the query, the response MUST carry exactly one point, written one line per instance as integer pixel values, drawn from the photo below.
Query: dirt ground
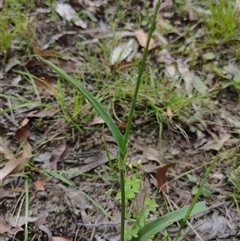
(71, 176)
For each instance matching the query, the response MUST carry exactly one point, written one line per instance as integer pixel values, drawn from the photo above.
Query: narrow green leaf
(163, 222)
(106, 117)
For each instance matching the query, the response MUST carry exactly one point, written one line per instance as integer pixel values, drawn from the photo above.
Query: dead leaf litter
(53, 144)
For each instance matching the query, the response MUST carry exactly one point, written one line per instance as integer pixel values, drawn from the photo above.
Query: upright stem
(139, 77)
(121, 172)
(129, 123)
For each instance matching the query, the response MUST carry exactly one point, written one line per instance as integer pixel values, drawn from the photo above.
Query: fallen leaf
(45, 53)
(60, 239)
(190, 79)
(93, 162)
(96, 120)
(188, 7)
(18, 221)
(56, 37)
(212, 227)
(42, 113)
(15, 230)
(16, 80)
(11, 63)
(111, 236)
(42, 219)
(39, 184)
(23, 157)
(216, 144)
(186, 75)
(161, 176)
(15, 165)
(9, 167)
(68, 13)
(121, 52)
(57, 153)
(4, 226)
(165, 5)
(22, 133)
(76, 199)
(10, 192)
(142, 39)
(45, 83)
(149, 152)
(170, 71)
(24, 122)
(66, 65)
(121, 125)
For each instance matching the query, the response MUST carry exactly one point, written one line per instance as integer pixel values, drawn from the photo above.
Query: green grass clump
(16, 24)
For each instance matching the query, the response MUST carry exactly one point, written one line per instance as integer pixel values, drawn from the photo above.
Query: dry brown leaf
(42, 219)
(24, 122)
(96, 120)
(66, 65)
(60, 239)
(149, 152)
(10, 192)
(187, 76)
(9, 167)
(33, 113)
(41, 113)
(45, 83)
(45, 53)
(93, 162)
(15, 165)
(15, 230)
(22, 133)
(5, 193)
(216, 144)
(18, 221)
(57, 153)
(39, 184)
(68, 13)
(23, 157)
(161, 177)
(4, 226)
(124, 51)
(9, 156)
(165, 5)
(188, 7)
(46, 113)
(142, 39)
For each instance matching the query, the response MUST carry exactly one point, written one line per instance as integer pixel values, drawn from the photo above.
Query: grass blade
(106, 117)
(163, 222)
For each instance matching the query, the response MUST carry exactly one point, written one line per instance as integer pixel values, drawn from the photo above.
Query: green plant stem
(123, 148)
(139, 77)
(123, 202)
(195, 198)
